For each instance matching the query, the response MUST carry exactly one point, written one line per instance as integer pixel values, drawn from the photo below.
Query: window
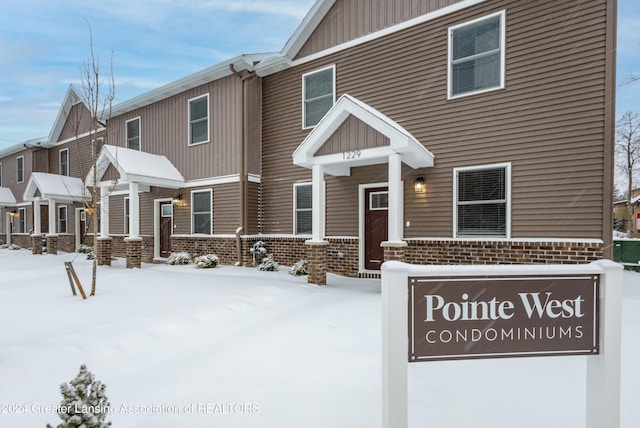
(126, 216)
(379, 201)
(201, 212)
(476, 56)
(64, 162)
(20, 169)
(482, 205)
(0, 179)
(302, 200)
(318, 95)
(133, 133)
(62, 219)
(199, 120)
(96, 146)
(22, 220)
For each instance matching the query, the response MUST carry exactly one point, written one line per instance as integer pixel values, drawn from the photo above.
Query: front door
(83, 226)
(375, 226)
(166, 227)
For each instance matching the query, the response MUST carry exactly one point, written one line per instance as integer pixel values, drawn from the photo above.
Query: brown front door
(83, 226)
(44, 218)
(375, 226)
(166, 227)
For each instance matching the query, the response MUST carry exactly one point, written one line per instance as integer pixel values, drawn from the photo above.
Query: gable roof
(401, 141)
(135, 166)
(71, 98)
(6, 197)
(55, 186)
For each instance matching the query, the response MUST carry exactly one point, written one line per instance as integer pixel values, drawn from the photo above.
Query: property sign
(503, 316)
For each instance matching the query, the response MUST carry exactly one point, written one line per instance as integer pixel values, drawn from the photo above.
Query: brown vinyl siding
(348, 20)
(254, 194)
(353, 134)
(254, 125)
(10, 172)
(164, 130)
(78, 122)
(80, 160)
(549, 121)
(225, 208)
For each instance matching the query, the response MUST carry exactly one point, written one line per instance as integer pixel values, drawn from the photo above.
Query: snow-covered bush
(258, 252)
(179, 259)
(85, 249)
(300, 268)
(84, 402)
(14, 247)
(207, 261)
(268, 264)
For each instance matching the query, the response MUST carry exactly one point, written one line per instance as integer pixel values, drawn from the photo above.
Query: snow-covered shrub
(14, 247)
(258, 252)
(85, 249)
(4, 246)
(179, 259)
(84, 402)
(268, 264)
(207, 261)
(300, 268)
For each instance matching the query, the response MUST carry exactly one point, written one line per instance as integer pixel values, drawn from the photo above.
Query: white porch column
(318, 203)
(53, 230)
(395, 199)
(104, 211)
(8, 228)
(37, 229)
(134, 211)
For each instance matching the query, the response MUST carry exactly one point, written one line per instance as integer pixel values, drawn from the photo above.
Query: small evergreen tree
(84, 403)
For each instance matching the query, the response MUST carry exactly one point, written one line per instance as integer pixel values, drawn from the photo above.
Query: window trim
(193, 192)
(18, 168)
(304, 90)
(502, 14)
(126, 132)
(507, 190)
(126, 211)
(189, 136)
(93, 146)
(66, 151)
(0, 181)
(295, 209)
(22, 220)
(62, 208)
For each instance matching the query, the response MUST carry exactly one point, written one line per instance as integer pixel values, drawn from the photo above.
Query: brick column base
(52, 244)
(134, 252)
(317, 258)
(36, 244)
(103, 252)
(394, 251)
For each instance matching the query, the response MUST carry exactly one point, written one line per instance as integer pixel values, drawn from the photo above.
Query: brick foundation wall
(496, 252)
(119, 248)
(134, 254)
(24, 241)
(224, 248)
(347, 263)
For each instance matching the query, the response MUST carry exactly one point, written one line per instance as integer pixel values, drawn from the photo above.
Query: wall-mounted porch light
(177, 199)
(14, 214)
(419, 185)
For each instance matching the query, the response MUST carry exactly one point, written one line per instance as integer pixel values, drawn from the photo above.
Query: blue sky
(43, 44)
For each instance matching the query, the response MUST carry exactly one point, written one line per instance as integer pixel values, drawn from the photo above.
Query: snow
(236, 347)
(55, 186)
(6, 197)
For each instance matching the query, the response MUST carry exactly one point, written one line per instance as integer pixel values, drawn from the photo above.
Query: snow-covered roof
(6, 197)
(135, 166)
(42, 185)
(401, 141)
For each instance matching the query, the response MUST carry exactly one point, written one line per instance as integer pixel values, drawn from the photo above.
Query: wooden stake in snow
(71, 273)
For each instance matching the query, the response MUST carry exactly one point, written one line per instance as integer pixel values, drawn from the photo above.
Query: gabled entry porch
(329, 150)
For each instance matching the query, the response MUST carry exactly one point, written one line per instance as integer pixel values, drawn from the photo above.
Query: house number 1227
(353, 154)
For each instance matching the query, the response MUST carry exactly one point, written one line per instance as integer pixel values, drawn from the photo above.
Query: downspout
(242, 164)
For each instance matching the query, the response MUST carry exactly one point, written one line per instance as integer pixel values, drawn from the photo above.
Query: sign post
(461, 312)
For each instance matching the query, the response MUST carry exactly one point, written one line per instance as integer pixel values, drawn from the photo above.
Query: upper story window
(96, 146)
(476, 56)
(62, 219)
(20, 169)
(302, 202)
(133, 133)
(0, 180)
(482, 201)
(22, 220)
(199, 120)
(318, 95)
(64, 162)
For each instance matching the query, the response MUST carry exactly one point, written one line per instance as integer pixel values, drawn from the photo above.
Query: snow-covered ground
(234, 347)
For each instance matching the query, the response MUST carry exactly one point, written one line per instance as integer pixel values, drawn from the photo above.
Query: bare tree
(628, 150)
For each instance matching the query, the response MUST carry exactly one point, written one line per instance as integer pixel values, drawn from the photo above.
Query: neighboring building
(455, 132)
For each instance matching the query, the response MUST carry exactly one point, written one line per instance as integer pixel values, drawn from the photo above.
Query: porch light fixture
(177, 199)
(419, 185)
(14, 214)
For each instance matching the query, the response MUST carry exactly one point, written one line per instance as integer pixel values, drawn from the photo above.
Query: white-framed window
(379, 201)
(22, 220)
(482, 201)
(201, 212)
(318, 95)
(476, 56)
(96, 146)
(20, 169)
(0, 177)
(303, 209)
(126, 216)
(133, 133)
(199, 120)
(62, 219)
(64, 161)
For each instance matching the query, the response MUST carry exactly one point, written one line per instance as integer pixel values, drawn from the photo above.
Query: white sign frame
(603, 370)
